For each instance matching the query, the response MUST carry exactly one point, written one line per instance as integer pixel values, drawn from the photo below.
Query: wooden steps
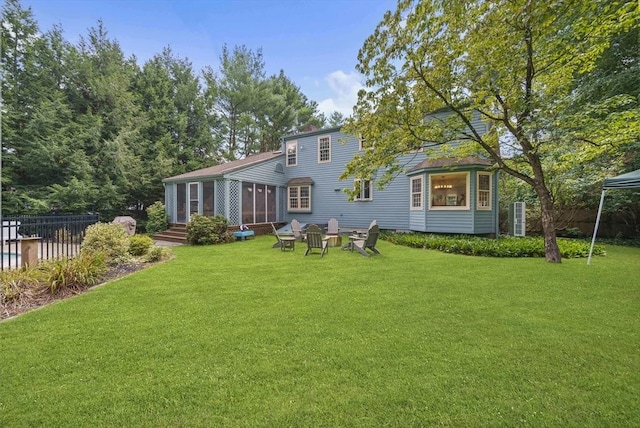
(175, 233)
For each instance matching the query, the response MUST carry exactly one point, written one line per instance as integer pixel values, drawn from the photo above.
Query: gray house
(301, 182)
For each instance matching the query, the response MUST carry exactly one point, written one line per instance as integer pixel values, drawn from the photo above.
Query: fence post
(29, 251)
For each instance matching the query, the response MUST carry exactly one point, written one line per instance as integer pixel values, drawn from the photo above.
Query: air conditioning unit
(517, 219)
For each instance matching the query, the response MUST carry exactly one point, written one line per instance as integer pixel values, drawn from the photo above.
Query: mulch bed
(30, 300)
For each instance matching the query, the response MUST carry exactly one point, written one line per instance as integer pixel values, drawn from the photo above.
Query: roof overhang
(300, 181)
(450, 163)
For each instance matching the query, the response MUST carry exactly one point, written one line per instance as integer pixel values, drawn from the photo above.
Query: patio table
(354, 234)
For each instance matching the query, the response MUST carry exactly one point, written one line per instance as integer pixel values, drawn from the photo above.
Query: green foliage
(15, 282)
(502, 247)
(139, 245)
(76, 273)
(156, 254)
(51, 277)
(109, 239)
(514, 69)
(406, 339)
(158, 220)
(203, 230)
(86, 129)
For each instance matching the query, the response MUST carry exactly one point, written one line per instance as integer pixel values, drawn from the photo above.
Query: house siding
(390, 207)
(328, 199)
(264, 173)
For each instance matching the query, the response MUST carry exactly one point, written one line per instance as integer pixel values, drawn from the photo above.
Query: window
(362, 143)
(324, 149)
(363, 187)
(449, 191)
(292, 153)
(299, 198)
(484, 191)
(416, 193)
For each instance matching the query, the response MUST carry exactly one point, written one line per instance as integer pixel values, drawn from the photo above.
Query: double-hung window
(292, 153)
(299, 198)
(416, 193)
(324, 149)
(363, 190)
(484, 191)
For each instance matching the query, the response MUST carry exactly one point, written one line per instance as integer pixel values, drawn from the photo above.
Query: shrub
(155, 254)
(157, 219)
(76, 273)
(139, 245)
(202, 230)
(503, 247)
(15, 282)
(109, 239)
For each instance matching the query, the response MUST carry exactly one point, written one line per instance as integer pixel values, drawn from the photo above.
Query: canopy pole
(595, 229)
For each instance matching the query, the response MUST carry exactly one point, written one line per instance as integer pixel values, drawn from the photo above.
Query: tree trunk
(551, 250)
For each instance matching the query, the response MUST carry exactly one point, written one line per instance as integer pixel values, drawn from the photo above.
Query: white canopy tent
(629, 180)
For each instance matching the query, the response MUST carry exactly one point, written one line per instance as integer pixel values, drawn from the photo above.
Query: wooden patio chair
(297, 230)
(316, 240)
(332, 227)
(361, 244)
(283, 242)
(333, 233)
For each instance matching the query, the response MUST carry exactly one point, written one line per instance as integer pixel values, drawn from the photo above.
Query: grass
(245, 335)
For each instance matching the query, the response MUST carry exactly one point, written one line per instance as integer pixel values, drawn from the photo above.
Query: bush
(202, 230)
(15, 282)
(157, 219)
(139, 245)
(109, 239)
(502, 247)
(155, 254)
(76, 273)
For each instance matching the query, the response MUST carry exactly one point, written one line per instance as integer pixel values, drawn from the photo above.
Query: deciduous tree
(512, 62)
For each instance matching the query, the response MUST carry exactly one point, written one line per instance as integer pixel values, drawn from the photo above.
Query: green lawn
(245, 335)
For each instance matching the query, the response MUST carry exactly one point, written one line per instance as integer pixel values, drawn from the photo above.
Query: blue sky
(315, 42)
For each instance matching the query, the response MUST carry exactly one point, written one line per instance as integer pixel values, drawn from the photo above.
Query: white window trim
(478, 190)
(450, 207)
(359, 196)
(295, 145)
(320, 138)
(299, 209)
(412, 193)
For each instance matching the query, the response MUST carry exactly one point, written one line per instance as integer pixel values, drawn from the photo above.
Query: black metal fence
(59, 236)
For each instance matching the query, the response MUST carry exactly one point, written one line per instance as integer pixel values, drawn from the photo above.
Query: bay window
(449, 191)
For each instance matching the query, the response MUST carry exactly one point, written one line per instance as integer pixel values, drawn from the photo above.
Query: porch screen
(207, 198)
(258, 203)
(181, 202)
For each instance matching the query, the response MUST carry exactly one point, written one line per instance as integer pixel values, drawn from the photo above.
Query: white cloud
(344, 89)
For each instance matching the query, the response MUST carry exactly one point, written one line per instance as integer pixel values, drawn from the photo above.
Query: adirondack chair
(361, 244)
(283, 242)
(333, 233)
(297, 230)
(332, 227)
(315, 240)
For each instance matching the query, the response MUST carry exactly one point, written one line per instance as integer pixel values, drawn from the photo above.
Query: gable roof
(228, 167)
(451, 162)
